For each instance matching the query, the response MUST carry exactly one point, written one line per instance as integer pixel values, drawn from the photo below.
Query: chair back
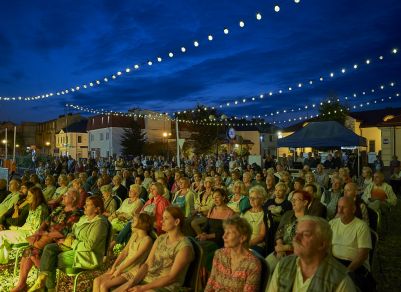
(118, 201)
(192, 279)
(264, 276)
(374, 219)
(375, 240)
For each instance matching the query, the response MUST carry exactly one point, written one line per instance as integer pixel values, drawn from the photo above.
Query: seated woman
(212, 237)
(270, 185)
(235, 268)
(17, 215)
(131, 206)
(184, 197)
(287, 227)
(37, 213)
(60, 191)
(168, 261)
(238, 201)
(203, 203)
(55, 227)
(257, 219)
(132, 256)
(110, 203)
(84, 248)
(49, 188)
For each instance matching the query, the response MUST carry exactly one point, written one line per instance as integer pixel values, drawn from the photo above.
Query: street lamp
(213, 118)
(166, 136)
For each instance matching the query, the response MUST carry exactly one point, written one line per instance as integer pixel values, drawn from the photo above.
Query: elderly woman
(132, 256)
(239, 202)
(257, 219)
(60, 191)
(366, 179)
(310, 179)
(184, 197)
(203, 203)
(235, 268)
(118, 189)
(55, 227)
(131, 206)
(379, 195)
(49, 188)
(270, 185)
(37, 213)
(83, 248)
(155, 206)
(287, 227)
(110, 203)
(168, 261)
(212, 237)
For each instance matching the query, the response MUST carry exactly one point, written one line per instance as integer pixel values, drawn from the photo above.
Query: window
(107, 136)
(101, 136)
(79, 139)
(92, 137)
(372, 146)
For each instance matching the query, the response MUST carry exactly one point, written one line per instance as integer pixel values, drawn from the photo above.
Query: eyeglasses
(293, 200)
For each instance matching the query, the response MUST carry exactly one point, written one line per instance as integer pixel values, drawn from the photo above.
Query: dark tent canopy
(322, 134)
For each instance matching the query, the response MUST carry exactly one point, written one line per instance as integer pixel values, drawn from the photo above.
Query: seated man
(330, 197)
(379, 195)
(311, 268)
(315, 208)
(351, 244)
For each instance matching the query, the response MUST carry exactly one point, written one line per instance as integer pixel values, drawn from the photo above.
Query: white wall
(109, 145)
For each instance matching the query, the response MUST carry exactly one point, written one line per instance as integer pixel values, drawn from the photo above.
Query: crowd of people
(311, 226)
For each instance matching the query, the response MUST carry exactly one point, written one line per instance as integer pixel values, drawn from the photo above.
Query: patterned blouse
(62, 221)
(246, 278)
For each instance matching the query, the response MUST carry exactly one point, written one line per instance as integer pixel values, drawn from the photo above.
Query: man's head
(336, 183)
(320, 168)
(350, 190)
(312, 238)
(14, 186)
(3, 184)
(346, 209)
(378, 178)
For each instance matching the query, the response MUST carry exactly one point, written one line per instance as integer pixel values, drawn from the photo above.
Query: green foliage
(133, 140)
(332, 110)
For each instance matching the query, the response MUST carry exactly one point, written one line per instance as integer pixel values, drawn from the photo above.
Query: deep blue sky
(46, 46)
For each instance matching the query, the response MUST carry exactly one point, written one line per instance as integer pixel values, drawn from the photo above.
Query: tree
(333, 110)
(133, 140)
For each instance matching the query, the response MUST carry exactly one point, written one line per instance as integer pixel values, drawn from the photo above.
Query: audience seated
(351, 244)
(110, 202)
(379, 195)
(16, 235)
(167, 264)
(50, 188)
(11, 199)
(203, 204)
(60, 191)
(131, 206)
(361, 211)
(286, 230)
(132, 256)
(56, 226)
(321, 176)
(270, 185)
(315, 208)
(118, 189)
(83, 248)
(311, 268)
(239, 202)
(330, 197)
(235, 268)
(184, 197)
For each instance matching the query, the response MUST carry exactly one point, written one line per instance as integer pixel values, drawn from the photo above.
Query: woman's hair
(97, 202)
(135, 187)
(37, 198)
(305, 195)
(77, 181)
(208, 179)
(259, 191)
(177, 213)
(159, 187)
(282, 186)
(63, 178)
(106, 189)
(145, 222)
(242, 186)
(75, 195)
(222, 193)
(186, 181)
(51, 178)
(242, 227)
(367, 169)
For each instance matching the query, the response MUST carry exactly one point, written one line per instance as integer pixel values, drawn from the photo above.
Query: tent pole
(358, 163)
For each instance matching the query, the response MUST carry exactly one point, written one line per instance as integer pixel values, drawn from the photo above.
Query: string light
(277, 8)
(127, 70)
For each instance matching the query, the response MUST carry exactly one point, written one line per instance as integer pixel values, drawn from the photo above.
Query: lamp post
(166, 136)
(213, 118)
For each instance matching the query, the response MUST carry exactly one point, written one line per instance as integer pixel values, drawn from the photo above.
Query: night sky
(50, 46)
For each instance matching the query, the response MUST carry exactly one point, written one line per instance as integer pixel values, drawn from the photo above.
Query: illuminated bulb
(321, 78)
(210, 37)
(244, 100)
(280, 91)
(196, 44)
(258, 16)
(367, 61)
(392, 84)
(136, 66)
(277, 8)
(159, 59)
(128, 70)
(105, 79)
(170, 54)
(297, 1)
(270, 93)
(84, 86)
(97, 82)
(381, 57)
(226, 31)
(261, 96)
(119, 73)
(183, 49)
(289, 88)
(331, 74)
(382, 87)
(343, 70)
(241, 23)
(395, 51)
(355, 66)
(299, 84)
(91, 84)
(150, 63)
(311, 82)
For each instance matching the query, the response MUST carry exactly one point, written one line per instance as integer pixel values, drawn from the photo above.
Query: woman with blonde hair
(239, 202)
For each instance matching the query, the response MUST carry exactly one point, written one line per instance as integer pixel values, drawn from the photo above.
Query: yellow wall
(75, 149)
(371, 134)
(390, 149)
(253, 136)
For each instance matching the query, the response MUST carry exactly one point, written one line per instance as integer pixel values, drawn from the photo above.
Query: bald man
(361, 211)
(351, 243)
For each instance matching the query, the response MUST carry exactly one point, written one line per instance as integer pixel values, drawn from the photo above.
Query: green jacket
(90, 241)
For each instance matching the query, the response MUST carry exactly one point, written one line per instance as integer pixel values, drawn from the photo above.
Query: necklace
(253, 219)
